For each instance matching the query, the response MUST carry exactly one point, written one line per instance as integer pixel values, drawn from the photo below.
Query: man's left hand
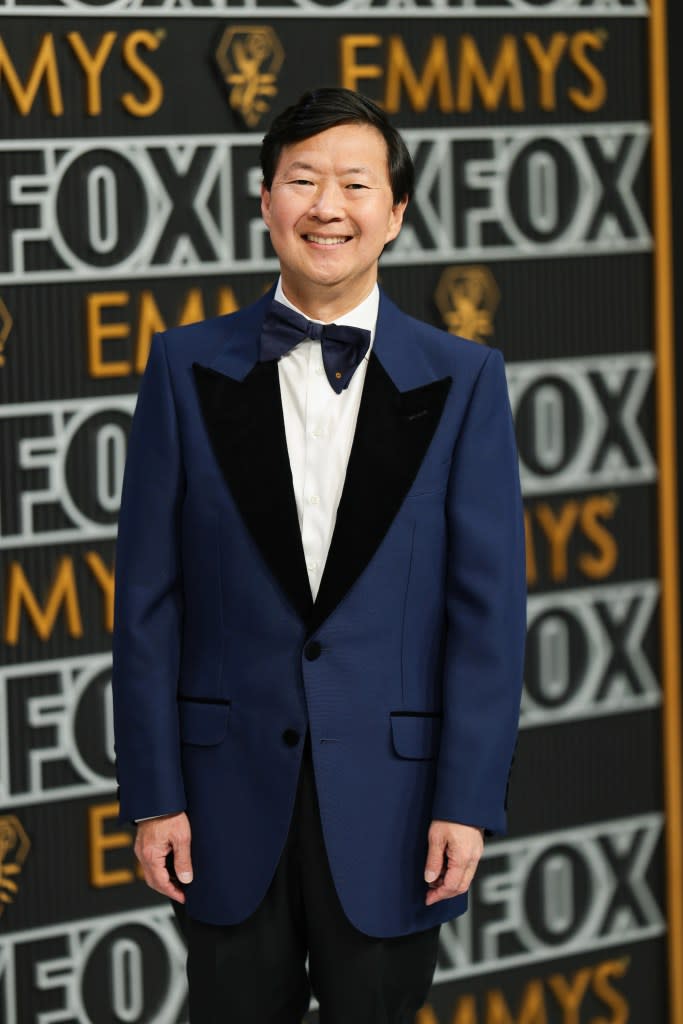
(452, 858)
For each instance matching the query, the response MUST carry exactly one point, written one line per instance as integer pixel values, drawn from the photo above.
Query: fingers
(453, 855)
(453, 882)
(434, 865)
(181, 860)
(160, 842)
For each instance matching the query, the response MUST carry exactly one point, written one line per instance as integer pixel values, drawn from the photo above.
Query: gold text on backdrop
(5, 328)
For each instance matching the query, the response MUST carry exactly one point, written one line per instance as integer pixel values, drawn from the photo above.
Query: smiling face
(330, 212)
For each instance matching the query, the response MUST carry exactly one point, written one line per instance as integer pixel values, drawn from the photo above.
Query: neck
(325, 305)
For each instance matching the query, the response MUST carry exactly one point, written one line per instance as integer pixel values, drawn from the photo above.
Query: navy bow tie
(343, 347)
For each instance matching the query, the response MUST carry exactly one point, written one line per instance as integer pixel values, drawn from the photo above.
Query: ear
(396, 219)
(265, 204)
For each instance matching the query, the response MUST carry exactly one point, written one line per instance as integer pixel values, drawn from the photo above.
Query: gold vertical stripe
(668, 498)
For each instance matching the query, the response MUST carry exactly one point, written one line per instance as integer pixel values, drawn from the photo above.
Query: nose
(327, 205)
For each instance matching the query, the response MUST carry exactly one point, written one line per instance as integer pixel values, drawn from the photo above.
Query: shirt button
(317, 432)
(291, 737)
(312, 566)
(314, 499)
(312, 651)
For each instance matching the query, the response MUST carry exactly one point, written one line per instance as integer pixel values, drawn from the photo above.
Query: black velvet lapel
(246, 428)
(393, 432)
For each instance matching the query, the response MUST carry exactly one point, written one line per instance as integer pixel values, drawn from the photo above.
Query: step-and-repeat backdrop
(129, 200)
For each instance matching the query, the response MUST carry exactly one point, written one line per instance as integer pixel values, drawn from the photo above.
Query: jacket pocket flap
(203, 724)
(416, 737)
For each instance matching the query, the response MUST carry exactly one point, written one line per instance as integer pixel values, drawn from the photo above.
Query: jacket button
(291, 737)
(312, 651)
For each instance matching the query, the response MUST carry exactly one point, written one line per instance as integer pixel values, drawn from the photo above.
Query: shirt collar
(363, 315)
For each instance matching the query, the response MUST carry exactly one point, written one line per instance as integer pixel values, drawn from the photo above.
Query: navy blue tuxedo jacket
(407, 668)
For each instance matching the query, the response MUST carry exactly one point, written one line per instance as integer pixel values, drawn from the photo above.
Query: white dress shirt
(319, 428)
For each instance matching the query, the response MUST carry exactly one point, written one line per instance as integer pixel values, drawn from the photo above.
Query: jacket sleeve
(148, 609)
(486, 611)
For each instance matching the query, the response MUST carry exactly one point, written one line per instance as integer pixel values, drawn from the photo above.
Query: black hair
(320, 109)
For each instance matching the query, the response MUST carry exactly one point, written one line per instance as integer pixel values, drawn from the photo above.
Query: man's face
(330, 212)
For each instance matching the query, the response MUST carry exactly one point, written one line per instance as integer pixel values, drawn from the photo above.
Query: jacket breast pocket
(203, 724)
(415, 736)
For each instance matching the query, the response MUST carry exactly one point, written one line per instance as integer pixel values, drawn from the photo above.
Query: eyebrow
(301, 165)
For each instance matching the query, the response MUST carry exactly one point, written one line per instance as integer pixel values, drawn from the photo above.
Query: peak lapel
(246, 428)
(393, 432)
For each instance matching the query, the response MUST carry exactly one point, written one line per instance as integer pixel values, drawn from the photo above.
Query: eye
(300, 181)
(356, 185)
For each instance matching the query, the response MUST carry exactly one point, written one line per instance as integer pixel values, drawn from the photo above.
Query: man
(320, 607)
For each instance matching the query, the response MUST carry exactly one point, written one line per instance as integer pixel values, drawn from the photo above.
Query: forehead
(342, 148)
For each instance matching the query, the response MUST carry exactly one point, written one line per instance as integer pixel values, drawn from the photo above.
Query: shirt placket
(315, 489)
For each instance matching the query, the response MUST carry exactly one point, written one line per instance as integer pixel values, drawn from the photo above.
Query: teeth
(326, 240)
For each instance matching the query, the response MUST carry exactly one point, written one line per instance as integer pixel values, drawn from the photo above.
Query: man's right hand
(156, 839)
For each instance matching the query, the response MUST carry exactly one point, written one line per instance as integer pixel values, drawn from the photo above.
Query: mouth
(327, 240)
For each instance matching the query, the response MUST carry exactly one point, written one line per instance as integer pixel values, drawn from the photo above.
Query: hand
(452, 858)
(156, 839)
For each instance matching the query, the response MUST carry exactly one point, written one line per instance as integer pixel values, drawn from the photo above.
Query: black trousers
(256, 972)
